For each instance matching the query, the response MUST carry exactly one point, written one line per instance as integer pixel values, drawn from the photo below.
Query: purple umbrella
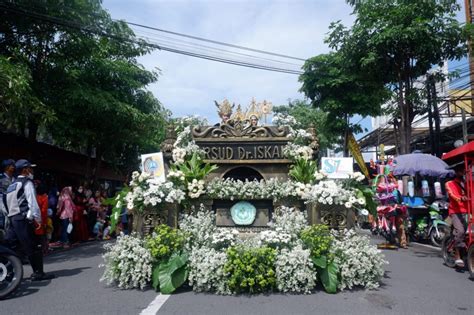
(422, 164)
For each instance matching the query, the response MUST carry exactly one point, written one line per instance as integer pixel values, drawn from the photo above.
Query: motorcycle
(430, 227)
(11, 271)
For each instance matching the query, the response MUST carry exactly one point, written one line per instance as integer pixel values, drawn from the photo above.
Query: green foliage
(195, 168)
(93, 83)
(394, 43)
(370, 204)
(341, 91)
(318, 239)
(170, 275)
(164, 242)
(329, 277)
(303, 171)
(118, 203)
(251, 269)
(308, 116)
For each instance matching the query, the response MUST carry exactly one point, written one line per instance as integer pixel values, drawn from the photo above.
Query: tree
(397, 41)
(84, 70)
(308, 116)
(339, 89)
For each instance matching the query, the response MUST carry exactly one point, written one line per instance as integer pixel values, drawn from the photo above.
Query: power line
(71, 24)
(214, 41)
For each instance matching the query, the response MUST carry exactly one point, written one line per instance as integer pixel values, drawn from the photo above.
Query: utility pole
(468, 8)
(437, 120)
(430, 114)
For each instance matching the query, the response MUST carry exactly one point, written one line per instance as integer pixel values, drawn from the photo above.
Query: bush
(290, 221)
(127, 262)
(251, 269)
(206, 270)
(164, 242)
(295, 270)
(360, 263)
(199, 228)
(318, 239)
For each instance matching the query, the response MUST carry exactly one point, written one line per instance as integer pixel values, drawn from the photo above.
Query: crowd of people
(69, 216)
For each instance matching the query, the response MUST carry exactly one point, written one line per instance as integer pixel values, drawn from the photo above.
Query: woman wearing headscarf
(65, 212)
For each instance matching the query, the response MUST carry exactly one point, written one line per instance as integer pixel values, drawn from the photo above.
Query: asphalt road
(416, 282)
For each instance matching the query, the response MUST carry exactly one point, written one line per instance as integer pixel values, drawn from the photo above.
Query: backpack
(15, 199)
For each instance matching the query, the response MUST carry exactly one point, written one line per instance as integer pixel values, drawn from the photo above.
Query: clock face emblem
(243, 213)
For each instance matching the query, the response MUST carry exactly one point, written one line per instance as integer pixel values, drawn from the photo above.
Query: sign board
(337, 167)
(355, 150)
(153, 164)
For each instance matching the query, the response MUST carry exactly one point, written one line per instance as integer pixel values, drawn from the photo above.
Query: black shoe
(42, 276)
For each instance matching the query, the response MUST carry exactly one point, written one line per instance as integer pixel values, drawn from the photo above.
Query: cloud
(189, 85)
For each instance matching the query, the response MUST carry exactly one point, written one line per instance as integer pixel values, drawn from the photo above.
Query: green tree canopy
(82, 67)
(394, 42)
(308, 116)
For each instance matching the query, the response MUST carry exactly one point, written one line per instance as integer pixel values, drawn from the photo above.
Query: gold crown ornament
(224, 108)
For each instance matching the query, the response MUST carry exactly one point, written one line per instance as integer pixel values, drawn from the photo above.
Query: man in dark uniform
(6, 179)
(24, 214)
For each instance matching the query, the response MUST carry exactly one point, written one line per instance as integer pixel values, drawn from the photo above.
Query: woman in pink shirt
(65, 212)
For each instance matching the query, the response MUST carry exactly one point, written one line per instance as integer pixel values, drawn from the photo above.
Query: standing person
(23, 212)
(94, 208)
(6, 179)
(457, 210)
(42, 199)
(80, 231)
(66, 214)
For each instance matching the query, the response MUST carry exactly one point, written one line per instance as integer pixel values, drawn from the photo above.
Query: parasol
(422, 164)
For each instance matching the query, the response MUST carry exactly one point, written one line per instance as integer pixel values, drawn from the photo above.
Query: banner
(153, 164)
(355, 151)
(337, 167)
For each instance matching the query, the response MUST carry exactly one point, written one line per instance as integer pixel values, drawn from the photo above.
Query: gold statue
(224, 110)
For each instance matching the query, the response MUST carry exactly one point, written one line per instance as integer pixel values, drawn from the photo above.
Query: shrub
(295, 270)
(127, 262)
(206, 270)
(164, 241)
(318, 239)
(360, 263)
(199, 228)
(251, 269)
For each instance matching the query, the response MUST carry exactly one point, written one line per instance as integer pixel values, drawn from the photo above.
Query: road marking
(155, 305)
(425, 245)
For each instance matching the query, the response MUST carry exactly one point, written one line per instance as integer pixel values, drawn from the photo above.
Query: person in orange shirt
(42, 199)
(457, 210)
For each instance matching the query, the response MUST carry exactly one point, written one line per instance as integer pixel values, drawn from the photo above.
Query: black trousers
(22, 230)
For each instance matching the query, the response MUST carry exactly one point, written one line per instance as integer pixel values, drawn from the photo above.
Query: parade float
(242, 209)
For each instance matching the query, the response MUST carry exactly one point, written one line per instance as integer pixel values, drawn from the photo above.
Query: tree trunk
(98, 160)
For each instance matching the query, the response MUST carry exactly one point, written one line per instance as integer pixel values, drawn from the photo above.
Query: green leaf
(329, 277)
(155, 277)
(320, 261)
(173, 273)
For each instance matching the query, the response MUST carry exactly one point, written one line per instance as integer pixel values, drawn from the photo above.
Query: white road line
(425, 245)
(155, 305)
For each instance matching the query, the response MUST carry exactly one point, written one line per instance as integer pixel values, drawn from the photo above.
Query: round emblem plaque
(243, 213)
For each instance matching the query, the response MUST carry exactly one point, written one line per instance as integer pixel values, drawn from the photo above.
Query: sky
(189, 86)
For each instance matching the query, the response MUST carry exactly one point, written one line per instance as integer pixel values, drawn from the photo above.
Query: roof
(458, 153)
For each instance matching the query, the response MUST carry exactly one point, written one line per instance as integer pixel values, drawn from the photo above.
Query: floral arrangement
(127, 262)
(146, 192)
(289, 257)
(360, 263)
(295, 271)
